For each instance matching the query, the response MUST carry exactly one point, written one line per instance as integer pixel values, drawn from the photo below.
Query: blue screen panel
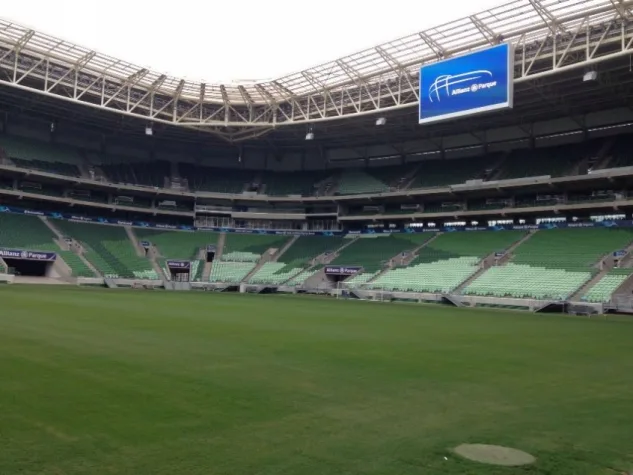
(476, 82)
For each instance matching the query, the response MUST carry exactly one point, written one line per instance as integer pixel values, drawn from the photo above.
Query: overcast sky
(223, 40)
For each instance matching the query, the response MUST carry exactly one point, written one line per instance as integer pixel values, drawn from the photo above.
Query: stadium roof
(550, 36)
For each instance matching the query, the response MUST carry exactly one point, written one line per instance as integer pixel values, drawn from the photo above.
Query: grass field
(155, 383)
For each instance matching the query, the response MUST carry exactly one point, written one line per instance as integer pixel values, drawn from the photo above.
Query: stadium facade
(536, 138)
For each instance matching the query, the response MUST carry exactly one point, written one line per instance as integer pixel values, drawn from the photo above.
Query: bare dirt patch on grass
(494, 454)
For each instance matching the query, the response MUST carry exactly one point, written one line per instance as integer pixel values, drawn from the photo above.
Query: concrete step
(137, 247)
(286, 246)
(588, 285)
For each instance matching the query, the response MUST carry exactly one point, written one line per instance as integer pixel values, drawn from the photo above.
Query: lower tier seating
(197, 268)
(439, 276)
(301, 277)
(177, 244)
(296, 258)
(372, 253)
(250, 247)
(195, 272)
(447, 262)
(109, 249)
(551, 264)
(19, 231)
(523, 281)
(76, 264)
(360, 279)
(604, 288)
(269, 273)
(230, 272)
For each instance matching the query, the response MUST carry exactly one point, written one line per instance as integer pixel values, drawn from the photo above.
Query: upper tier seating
(551, 264)
(250, 247)
(604, 288)
(109, 249)
(357, 181)
(553, 161)
(436, 172)
(372, 253)
(395, 177)
(445, 263)
(292, 183)
(137, 173)
(622, 152)
(215, 180)
(177, 244)
(46, 157)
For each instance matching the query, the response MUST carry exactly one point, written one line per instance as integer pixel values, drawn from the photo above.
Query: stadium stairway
(283, 250)
(404, 261)
(134, 241)
(554, 264)
(158, 269)
(587, 286)
(108, 248)
(267, 256)
(490, 261)
(77, 260)
(32, 232)
(206, 272)
(315, 271)
(607, 266)
(53, 229)
(625, 289)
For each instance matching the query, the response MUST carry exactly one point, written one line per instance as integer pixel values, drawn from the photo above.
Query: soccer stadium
(415, 259)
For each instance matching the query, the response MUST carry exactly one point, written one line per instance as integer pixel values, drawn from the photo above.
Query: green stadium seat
(41, 156)
(292, 183)
(551, 264)
(301, 277)
(373, 253)
(604, 288)
(445, 263)
(356, 182)
(230, 272)
(30, 233)
(296, 258)
(216, 180)
(435, 173)
(250, 247)
(109, 250)
(179, 245)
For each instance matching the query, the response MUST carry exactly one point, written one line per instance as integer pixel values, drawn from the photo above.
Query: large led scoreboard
(476, 82)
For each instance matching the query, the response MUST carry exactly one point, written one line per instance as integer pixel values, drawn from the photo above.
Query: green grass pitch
(99, 382)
